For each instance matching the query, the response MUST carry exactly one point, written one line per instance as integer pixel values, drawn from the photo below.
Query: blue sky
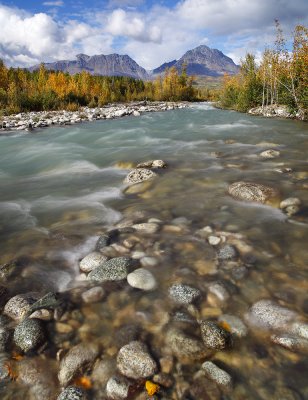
(151, 32)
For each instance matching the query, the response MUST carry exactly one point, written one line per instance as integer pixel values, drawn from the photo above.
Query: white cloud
(123, 23)
(53, 3)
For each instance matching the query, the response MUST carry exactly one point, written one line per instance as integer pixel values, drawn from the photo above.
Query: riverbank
(43, 119)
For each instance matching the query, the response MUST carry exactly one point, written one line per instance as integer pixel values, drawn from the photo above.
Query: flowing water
(62, 187)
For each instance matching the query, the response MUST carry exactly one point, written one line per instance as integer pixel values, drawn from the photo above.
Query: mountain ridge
(201, 61)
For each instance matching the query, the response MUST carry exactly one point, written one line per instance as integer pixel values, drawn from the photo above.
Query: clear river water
(62, 187)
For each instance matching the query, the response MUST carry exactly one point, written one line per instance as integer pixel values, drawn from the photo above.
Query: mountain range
(202, 61)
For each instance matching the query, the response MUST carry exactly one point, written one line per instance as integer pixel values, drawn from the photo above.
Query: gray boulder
(18, 306)
(115, 269)
(139, 175)
(134, 361)
(183, 294)
(76, 361)
(214, 337)
(29, 334)
(250, 191)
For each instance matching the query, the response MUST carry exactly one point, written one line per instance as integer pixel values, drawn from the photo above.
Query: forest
(280, 77)
(22, 90)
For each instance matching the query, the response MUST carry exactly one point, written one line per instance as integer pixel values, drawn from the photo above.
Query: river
(62, 187)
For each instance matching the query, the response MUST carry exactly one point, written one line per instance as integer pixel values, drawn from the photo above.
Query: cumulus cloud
(123, 23)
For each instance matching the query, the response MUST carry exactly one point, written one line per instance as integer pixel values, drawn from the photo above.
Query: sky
(151, 32)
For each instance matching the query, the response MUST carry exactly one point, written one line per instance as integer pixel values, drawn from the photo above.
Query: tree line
(280, 78)
(22, 90)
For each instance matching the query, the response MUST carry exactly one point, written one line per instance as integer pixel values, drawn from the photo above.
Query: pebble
(5, 333)
(148, 261)
(18, 306)
(105, 239)
(227, 253)
(250, 191)
(235, 324)
(142, 279)
(214, 337)
(93, 295)
(218, 375)
(115, 269)
(220, 293)
(153, 164)
(134, 361)
(291, 343)
(29, 334)
(184, 294)
(118, 387)
(267, 314)
(76, 360)
(43, 314)
(72, 393)
(214, 240)
(137, 255)
(139, 175)
(91, 261)
(147, 227)
(270, 153)
(184, 346)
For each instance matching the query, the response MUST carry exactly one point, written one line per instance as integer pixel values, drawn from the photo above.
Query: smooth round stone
(136, 255)
(214, 240)
(134, 361)
(142, 279)
(72, 393)
(227, 253)
(216, 374)
(184, 346)
(148, 261)
(147, 227)
(93, 295)
(214, 337)
(91, 261)
(270, 153)
(29, 334)
(18, 306)
(267, 314)
(118, 388)
(184, 294)
(250, 191)
(76, 361)
(219, 291)
(115, 269)
(139, 175)
(235, 324)
(290, 201)
(291, 343)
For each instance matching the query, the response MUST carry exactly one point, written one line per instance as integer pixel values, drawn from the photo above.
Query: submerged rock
(139, 175)
(106, 239)
(218, 375)
(152, 164)
(235, 325)
(184, 346)
(134, 361)
(291, 343)
(91, 261)
(250, 191)
(115, 269)
(18, 306)
(214, 336)
(267, 314)
(29, 334)
(118, 388)
(184, 294)
(142, 279)
(270, 153)
(290, 205)
(78, 359)
(227, 253)
(5, 333)
(147, 227)
(93, 295)
(72, 393)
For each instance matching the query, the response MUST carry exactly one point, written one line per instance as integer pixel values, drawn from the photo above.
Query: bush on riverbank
(22, 90)
(281, 77)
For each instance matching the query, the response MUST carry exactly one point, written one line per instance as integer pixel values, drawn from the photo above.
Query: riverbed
(62, 188)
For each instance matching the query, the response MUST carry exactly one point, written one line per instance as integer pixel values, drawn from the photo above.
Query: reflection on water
(61, 188)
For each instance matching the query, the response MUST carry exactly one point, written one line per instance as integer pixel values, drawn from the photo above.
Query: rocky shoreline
(274, 111)
(43, 119)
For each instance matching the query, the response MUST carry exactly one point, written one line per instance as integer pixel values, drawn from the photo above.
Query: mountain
(203, 61)
(162, 68)
(107, 65)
